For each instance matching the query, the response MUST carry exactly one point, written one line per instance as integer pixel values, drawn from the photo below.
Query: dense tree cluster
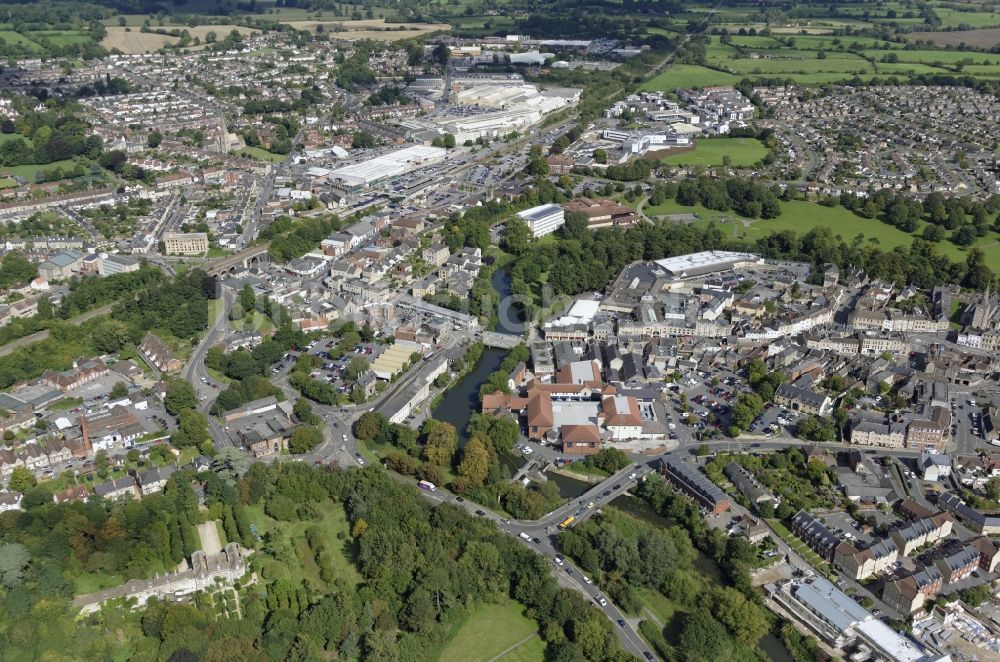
(179, 305)
(422, 570)
(721, 623)
(291, 239)
(46, 136)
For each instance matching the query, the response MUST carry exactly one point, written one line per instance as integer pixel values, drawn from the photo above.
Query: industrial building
(543, 219)
(393, 164)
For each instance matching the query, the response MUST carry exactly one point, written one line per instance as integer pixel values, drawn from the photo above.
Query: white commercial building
(543, 219)
(706, 262)
(393, 164)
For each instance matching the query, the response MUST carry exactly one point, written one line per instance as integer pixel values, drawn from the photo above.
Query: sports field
(712, 152)
(490, 631)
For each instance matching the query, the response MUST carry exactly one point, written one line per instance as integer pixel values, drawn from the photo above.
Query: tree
(440, 442)
(119, 391)
(304, 438)
(517, 237)
(992, 488)
(368, 426)
(22, 479)
(14, 558)
(743, 618)
(179, 395)
(703, 638)
(111, 335)
(475, 464)
(355, 368)
(154, 139)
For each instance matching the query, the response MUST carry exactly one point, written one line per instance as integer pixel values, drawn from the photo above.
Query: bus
(566, 523)
(427, 485)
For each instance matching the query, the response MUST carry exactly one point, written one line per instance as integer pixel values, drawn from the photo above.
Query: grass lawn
(66, 404)
(586, 470)
(489, 630)
(28, 171)
(533, 650)
(7, 182)
(262, 154)
(802, 216)
(661, 606)
(90, 582)
(689, 75)
(187, 455)
(711, 151)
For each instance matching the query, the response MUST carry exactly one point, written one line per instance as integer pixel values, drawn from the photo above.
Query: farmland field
(952, 18)
(134, 41)
(977, 38)
(17, 39)
(689, 75)
(710, 151)
(61, 37)
(370, 29)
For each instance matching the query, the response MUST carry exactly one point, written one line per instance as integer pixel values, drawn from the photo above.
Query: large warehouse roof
(706, 262)
(389, 165)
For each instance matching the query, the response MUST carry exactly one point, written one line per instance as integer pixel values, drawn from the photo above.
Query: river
(462, 400)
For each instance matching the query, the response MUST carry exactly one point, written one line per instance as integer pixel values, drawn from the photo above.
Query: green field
(952, 18)
(262, 154)
(28, 171)
(7, 182)
(61, 37)
(711, 151)
(689, 75)
(801, 216)
(16, 39)
(489, 631)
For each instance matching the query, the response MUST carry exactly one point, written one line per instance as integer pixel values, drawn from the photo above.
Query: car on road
(587, 579)
(602, 602)
(632, 475)
(621, 623)
(480, 513)
(536, 541)
(616, 486)
(647, 655)
(558, 560)
(361, 460)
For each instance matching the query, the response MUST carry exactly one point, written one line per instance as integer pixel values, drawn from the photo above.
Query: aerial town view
(499, 331)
